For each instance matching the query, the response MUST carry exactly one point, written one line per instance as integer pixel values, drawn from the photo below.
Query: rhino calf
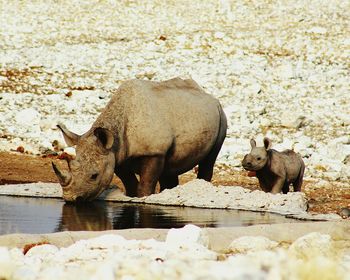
(157, 130)
(275, 170)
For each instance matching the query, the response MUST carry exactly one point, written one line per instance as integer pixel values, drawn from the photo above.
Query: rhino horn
(63, 177)
(70, 137)
(68, 160)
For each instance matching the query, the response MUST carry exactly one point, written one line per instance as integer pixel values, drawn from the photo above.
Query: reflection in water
(84, 216)
(43, 215)
(150, 216)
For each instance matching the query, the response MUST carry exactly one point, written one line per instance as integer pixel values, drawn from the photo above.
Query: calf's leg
(299, 181)
(278, 185)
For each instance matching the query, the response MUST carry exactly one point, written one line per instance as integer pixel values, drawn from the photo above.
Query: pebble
(345, 212)
(312, 245)
(251, 244)
(187, 234)
(27, 117)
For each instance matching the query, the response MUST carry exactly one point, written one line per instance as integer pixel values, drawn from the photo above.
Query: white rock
(105, 241)
(70, 150)
(285, 71)
(105, 272)
(42, 250)
(219, 35)
(244, 267)
(251, 244)
(291, 119)
(27, 117)
(254, 88)
(26, 272)
(187, 235)
(312, 245)
(318, 30)
(7, 267)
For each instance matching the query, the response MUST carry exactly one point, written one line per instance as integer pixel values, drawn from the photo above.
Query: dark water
(44, 215)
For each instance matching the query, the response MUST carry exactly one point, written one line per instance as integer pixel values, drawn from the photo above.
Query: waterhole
(43, 215)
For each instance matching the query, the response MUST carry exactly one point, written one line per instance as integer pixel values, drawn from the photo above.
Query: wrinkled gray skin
(155, 129)
(275, 170)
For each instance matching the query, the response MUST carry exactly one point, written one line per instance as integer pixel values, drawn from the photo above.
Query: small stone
(219, 35)
(57, 145)
(20, 149)
(188, 234)
(247, 244)
(317, 30)
(41, 250)
(27, 117)
(292, 120)
(285, 71)
(345, 212)
(312, 245)
(70, 151)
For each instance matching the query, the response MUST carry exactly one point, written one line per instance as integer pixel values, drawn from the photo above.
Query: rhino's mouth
(250, 167)
(78, 198)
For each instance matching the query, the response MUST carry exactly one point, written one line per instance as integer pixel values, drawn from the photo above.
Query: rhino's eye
(94, 176)
(259, 158)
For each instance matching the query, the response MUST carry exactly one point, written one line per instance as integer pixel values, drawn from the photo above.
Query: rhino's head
(257, 158)
(92, 170)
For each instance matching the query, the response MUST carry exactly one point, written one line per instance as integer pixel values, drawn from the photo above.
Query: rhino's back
(293, 163)
(175, 117)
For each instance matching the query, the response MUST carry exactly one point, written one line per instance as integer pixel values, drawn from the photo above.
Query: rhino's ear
(70, 137)
(252, 143)
(105, 138)
(267, 143)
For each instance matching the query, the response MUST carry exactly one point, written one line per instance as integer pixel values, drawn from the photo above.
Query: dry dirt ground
(328, 197)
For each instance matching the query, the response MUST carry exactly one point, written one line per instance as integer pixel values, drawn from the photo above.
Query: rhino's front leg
(129, 180)
(151, 169)
(278, 185)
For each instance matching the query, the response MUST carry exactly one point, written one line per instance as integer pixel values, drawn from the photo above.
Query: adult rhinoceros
(155, 129)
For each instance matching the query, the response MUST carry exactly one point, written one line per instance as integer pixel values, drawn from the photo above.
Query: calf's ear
(70, 137)
(267, 143)
(105, 138)
(252, 143)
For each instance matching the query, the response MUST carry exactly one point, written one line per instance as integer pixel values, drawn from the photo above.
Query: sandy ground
(324, 197)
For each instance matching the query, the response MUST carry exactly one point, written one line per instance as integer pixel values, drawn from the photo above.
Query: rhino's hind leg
(285, 188)
(150, 171)
(206, 165)
(168, 181)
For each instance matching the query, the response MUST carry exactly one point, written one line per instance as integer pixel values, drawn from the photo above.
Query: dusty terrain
(279, 70)
(324, 197)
